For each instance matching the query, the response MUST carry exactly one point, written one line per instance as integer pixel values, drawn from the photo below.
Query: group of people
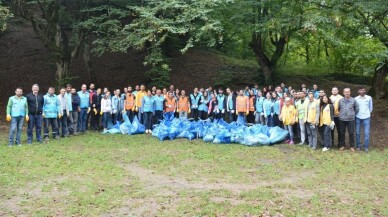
(309, 115)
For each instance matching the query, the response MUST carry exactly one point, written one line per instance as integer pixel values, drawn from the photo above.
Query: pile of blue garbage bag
(214, 131)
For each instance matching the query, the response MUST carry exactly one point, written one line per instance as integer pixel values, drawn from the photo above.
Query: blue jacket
(259, 104)
(116, 104)
(194, 100)
(221, 99)
(84, 97)
(204, 104)
(267, 106)
(68, 98)
(51, 106)
(17, 107)
(148, 104)
(159, 102)
(276, 107)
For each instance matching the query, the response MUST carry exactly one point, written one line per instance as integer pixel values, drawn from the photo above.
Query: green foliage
(5, 15)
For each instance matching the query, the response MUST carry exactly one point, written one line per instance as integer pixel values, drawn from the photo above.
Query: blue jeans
(16, 127)
(158, 117)
(269, 121)
(106, 118)
(54, 127)
(366, 125)
(35, 121)
(148, 120)
(290, 130)
(82, 120)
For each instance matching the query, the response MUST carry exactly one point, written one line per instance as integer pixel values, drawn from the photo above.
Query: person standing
(312, 120)
(288, 116)
(268, 110)
(159, 106)
(301, 105)
(35, 105)
(183, 105)
(170, 103)
(335, 97)
(138, 100)
(326, 121)
(75, 104)
(95, 107)
(91, 92)
(276, 109)
(204, 105)
(251, 114)
(17, 111)
(259, 108)
(63, 101)
(230, 105)
(221, 100)
(106, 110)
(70, 129)
(363, 116)
(348, 108)
(194, 102)
(213, 107)
(84, 109)
(148, 109)
(52, 111)
(116, 106)
(242, 105)
(129, 105)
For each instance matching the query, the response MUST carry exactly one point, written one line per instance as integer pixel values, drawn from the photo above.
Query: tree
(5, 14)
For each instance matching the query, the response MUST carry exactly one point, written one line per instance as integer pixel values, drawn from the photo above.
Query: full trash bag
(137, 127)
(277, 134)
(186, 134)
(126, 125)
(223, 137)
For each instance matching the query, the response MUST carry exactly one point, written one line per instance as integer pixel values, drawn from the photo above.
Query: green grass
(118, 175)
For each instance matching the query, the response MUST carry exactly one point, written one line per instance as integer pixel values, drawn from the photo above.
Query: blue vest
(267, 105)
(69, 104)
(159, 102)
(18, 107)
(51, 106)
(230, 102)
(148, 104)
(203, 106)
(84, 99)
(276, 107)
(259, 104)
(220, 100)
(195, 100)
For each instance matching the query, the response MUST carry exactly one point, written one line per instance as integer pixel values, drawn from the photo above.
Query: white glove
(232, 111)
(271, 114)
(262, 114)
(223, 111)
(123, 112)
(217, 111)
(332, 125)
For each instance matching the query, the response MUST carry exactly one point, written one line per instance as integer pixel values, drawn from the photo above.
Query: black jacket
(96, 101)
(35, 103)
(75, 101)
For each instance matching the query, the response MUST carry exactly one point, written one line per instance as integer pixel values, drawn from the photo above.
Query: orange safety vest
(242, 104)
(183, 103)
(130, 102)
(252, 104)
(170, 104)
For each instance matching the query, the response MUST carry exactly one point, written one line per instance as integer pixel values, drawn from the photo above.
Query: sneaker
(46, 139)
(352, 149)
(146, 131)
(301, 143)
(342, 148)
(150, 131)
(366, 150)
(291, 142)
(325, 149)
(287, 141)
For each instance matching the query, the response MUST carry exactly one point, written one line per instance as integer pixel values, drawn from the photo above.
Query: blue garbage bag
(250, 140)
(223, 136)
(168, 116)
(186, 134)
(277, 134)
(263, 139)
(112, 131)
(208, 138)
(241, 121)
(126, 125)
(137, 127)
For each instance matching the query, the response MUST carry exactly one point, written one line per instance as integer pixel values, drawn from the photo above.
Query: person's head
(73, 91)
(196, 90)
(259, 93)
(325, 100)
(347, 92)
(183, 92)
(164, 91)
(149, 93)
(228, 91)
(334, 91)
(68, 88)
(311, 96)
(241, 93)
(91, 86)
(361, 91)
(170, 94)
(35, 88)
(303, 86)
(315, 87)
(251, 93)
(106, 90)
(210, 89)
(274, 95)
(137, 87)
(302, 94)
(142, 87)
(304, 89)
(125, 89)
(158, 92)
(287, 101)
(256, 86)
(117, 92)
(177, 91)
(246, 88)
(153, 89)
(201, 89)
(172, 87)
(62, 91)
(268, 95)
(282, 85)
(99, 91)
(322, 93)
(285, 95)
(220, 90)
(205, 94)
(264, 89)
(51, 90)
(83, 87)
(212, 96)
(107, 94)
(19, 92)
(129, 88)
(270, 87)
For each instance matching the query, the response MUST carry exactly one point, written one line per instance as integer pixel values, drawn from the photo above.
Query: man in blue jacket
(17, 110)
(52, 110)
(84, 109)
(35, 105)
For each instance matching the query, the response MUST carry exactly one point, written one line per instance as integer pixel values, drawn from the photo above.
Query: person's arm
(103, 104)
(26, 107)
(9, 106)
(142, 104)
(59, 107)
(332, 112)
(356, 107)
(317, 113)
(370, 105)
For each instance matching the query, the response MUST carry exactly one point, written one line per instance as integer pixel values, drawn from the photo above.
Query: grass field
(117, 175)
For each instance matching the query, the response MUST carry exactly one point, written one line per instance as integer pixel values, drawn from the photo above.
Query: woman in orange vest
(252, 100)
(170, 103)
(326, 121)
(242, 105)
(129, 105)
(183, 105)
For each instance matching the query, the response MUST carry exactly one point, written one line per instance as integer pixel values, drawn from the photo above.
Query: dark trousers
(349, 125)
(70, 126)
(115, 117)
(194, 114)
(219, 115)
(269, 121)
(275, 120)
(131, 114)
(62, 122)
(158, 117)
(82, 120)
(203, 115)
(232, 116)
(336, 121)
(147, 120)
(326, 131)
(35, 121)
(251, 117)
(95, 120)
(54, 127)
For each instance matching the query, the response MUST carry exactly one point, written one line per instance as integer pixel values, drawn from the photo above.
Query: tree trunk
(89, 66)
(378, 87)
(63, 71)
